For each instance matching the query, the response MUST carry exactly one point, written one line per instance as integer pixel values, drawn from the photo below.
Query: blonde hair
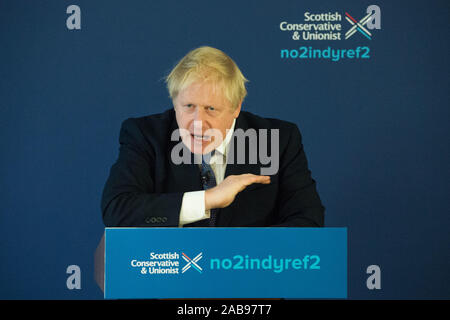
(208, 64)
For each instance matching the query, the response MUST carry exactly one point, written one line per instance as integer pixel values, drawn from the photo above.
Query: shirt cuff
(193, 207)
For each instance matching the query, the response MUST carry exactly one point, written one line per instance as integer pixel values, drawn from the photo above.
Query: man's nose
(200, 121)
(199, 114)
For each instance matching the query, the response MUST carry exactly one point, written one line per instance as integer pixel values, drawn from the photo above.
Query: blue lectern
(161, 263)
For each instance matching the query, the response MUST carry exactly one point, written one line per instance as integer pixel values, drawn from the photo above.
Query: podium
(198, 263)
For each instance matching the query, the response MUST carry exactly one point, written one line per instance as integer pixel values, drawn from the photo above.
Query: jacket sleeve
(298, 203)
(129, 198)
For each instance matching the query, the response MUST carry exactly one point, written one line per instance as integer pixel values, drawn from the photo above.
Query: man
(210, 178)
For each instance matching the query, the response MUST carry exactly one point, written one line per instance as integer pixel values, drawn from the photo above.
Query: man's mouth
(200, 138)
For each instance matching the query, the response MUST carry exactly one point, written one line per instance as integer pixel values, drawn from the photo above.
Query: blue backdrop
(375, 130)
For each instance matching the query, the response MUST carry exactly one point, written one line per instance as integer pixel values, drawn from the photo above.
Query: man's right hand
(223, 194)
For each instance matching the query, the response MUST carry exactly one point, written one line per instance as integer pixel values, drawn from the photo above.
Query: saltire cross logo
(358, 26)
(191, 262)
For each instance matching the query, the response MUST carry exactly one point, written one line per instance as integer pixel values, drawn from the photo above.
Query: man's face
(203, 115)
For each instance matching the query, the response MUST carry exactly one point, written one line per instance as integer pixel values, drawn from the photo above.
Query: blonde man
(179, 168)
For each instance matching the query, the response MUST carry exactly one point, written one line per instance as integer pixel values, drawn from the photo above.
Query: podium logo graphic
(358, 26)
(192, 262)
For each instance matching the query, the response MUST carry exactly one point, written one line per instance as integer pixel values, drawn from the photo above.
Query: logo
(326, 30)
(191, 262)
(320, 26)
(169, 263)
(166, 263)
(359, 25)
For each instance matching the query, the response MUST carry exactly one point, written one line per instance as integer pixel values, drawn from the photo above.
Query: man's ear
(237, 110)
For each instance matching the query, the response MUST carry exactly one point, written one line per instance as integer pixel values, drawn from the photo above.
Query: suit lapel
(225, 215)
(185, 177)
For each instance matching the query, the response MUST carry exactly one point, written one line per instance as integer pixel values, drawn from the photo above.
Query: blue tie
(208, 182)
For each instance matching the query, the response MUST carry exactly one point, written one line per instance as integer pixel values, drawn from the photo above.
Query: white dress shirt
(193, 204)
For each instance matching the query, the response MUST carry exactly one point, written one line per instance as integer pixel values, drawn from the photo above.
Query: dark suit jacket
(145, 188)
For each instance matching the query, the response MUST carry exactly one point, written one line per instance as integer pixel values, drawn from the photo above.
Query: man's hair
(208, 64)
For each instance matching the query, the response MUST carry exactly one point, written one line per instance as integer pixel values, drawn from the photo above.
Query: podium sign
(159, 263)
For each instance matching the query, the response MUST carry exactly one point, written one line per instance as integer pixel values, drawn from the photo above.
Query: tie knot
(206, 158)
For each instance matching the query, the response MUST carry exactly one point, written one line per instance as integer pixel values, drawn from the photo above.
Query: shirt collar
(223, 147)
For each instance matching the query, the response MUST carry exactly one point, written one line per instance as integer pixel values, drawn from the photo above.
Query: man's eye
(211, 108)
(188, 105)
